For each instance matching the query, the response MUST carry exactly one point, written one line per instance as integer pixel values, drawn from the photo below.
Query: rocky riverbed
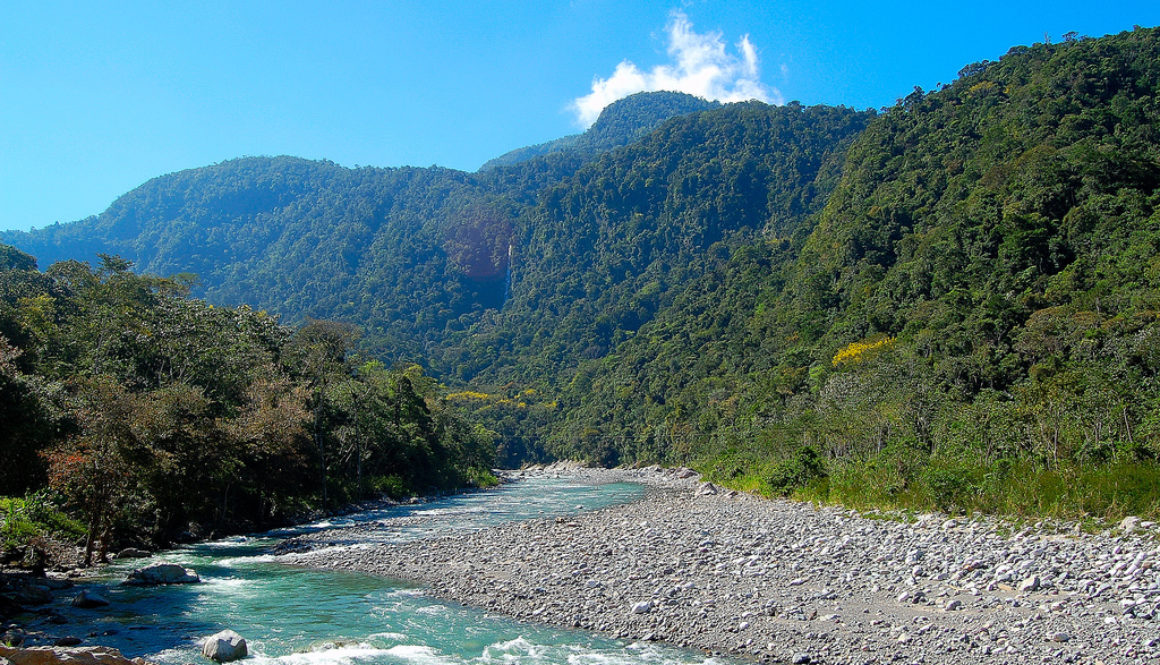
(788, 582)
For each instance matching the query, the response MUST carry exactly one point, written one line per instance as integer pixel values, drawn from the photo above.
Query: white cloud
(700, 65)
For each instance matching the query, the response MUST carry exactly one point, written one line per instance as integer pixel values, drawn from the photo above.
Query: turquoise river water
(297, 616)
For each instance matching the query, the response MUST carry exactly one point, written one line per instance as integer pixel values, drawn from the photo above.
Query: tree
(318, 353)
(92, 469)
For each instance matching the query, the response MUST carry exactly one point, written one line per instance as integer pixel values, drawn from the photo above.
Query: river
(297, 616)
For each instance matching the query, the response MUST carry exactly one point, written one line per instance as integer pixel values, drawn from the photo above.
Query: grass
(23, 519)
(1095, 495)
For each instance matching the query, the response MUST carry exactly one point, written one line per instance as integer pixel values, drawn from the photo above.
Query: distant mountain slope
(417, 256)
(395, 249)
(606, 249)
(620, 123)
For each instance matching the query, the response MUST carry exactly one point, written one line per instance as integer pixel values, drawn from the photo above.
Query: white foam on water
(341, 655)
(392, 637)
(232, 562)
(414, 653)
(231, 541)
(176, 654)
(512, 651)
(226, 583)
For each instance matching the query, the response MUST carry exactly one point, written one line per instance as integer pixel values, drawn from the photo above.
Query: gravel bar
(779, 581)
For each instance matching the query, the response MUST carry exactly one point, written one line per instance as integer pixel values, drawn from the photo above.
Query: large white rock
(224, 647)
(162, 573)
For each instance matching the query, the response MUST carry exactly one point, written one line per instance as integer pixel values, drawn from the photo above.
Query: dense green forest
(623, 122)
(146, 415)
(950, 304)
(971, 322)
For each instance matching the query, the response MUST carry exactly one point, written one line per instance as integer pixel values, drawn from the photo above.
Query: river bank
(788, 582)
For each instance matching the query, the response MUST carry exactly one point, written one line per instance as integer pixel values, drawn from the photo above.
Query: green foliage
(150, 414)
(798, 471)
(33, 516)
(928, 298)
(1103, 493)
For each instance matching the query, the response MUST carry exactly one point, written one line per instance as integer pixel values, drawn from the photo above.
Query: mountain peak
(622, 122)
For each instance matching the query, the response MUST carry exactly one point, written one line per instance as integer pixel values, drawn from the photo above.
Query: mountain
(620, 123)
(607, 248)
(950, 304)
(397, 249)
(969, 322)
(418, 257)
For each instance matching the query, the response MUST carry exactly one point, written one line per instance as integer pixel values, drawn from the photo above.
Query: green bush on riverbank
(1102, 493)
(33, 516)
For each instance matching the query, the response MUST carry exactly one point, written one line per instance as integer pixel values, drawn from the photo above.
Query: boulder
(1129, 524)
(131, 553)
(707, 489)
(55, 582)
(1030, 584)
(89, 599)
(33, 594)
(162, 573)
(224, 647)
(70, 641)
(66, 656)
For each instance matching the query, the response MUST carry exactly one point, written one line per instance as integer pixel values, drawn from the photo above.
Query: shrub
(805, 466)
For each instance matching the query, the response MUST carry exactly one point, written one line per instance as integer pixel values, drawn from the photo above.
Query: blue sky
(96, 98)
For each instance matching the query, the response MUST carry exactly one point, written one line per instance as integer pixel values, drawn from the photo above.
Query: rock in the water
(66, 656)
(56, 583)
(70, 641)
(224, 647)
(33, 594)
(131, 553)
(89, 599)
(162, 573)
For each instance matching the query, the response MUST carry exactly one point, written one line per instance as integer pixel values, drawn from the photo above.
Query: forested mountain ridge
(388, 247)
(608, 247)
(622, 122)
(970, 322)
(418, 256)
(952, 303)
